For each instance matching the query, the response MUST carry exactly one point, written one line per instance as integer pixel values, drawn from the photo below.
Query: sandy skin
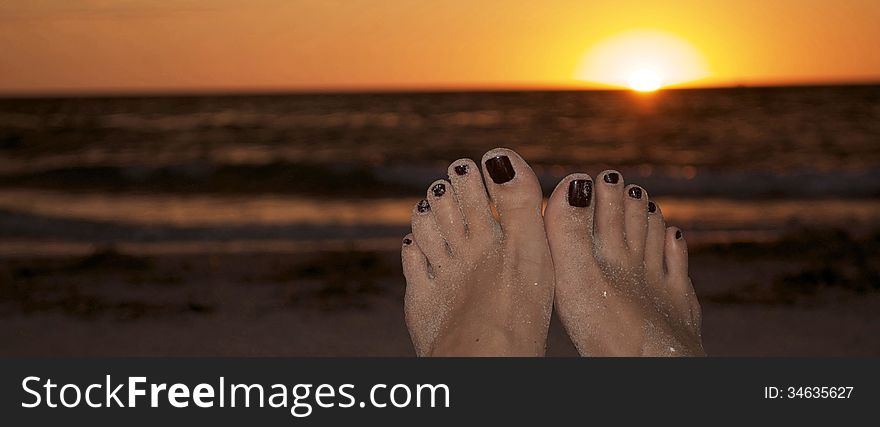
(477, 285)
(622, 284)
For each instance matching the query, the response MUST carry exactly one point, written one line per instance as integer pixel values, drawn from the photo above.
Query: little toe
(470, 192)
(514, 190)
(417, 300)
(426, 234)
(677, 279)
(655, 242)
(415, 265)
(447, 213)
(608, 215)
(636, 220)
(676, 256)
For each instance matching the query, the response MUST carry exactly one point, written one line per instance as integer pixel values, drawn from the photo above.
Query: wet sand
(349, 303)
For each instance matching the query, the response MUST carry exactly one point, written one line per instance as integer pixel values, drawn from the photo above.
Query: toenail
(438, 189)
(635, 192)
(652, 207)
(612, 177)
(580, 192)
(423, 206)
(407, 241)
(500, 169)
(461, 169)
(678, 235)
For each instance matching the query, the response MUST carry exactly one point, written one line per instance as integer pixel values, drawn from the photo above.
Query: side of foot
(477, 284)
(622, 285)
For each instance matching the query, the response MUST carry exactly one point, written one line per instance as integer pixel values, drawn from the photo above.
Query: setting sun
(645, 80)
(642, 60)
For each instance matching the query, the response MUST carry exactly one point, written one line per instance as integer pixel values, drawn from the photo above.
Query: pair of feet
(484, 284)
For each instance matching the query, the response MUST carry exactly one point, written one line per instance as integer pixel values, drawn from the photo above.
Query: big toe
(609, 218)
(515, 192)
(569, 218)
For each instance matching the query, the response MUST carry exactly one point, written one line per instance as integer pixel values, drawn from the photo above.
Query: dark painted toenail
(461, 169)
(678, 235)
(612, 177)
(438, 189)
(635, 192)
(407, 241)
(500, 169)
(580, 192)
(652, 207)
(423, 206)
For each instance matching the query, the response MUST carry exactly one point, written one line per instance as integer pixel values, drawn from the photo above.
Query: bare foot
(622, 285)
(477, 286)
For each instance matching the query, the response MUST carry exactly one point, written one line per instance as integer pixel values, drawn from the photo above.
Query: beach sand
(349, 303)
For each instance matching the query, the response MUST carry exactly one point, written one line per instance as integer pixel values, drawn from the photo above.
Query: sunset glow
(140, 45)
(643, 60)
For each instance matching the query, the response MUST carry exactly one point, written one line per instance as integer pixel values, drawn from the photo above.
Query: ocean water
(171, 171)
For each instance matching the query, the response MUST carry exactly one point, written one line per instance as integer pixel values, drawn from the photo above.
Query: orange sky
(178, 45)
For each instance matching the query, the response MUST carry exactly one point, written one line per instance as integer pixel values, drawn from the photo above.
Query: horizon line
(365, 90)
